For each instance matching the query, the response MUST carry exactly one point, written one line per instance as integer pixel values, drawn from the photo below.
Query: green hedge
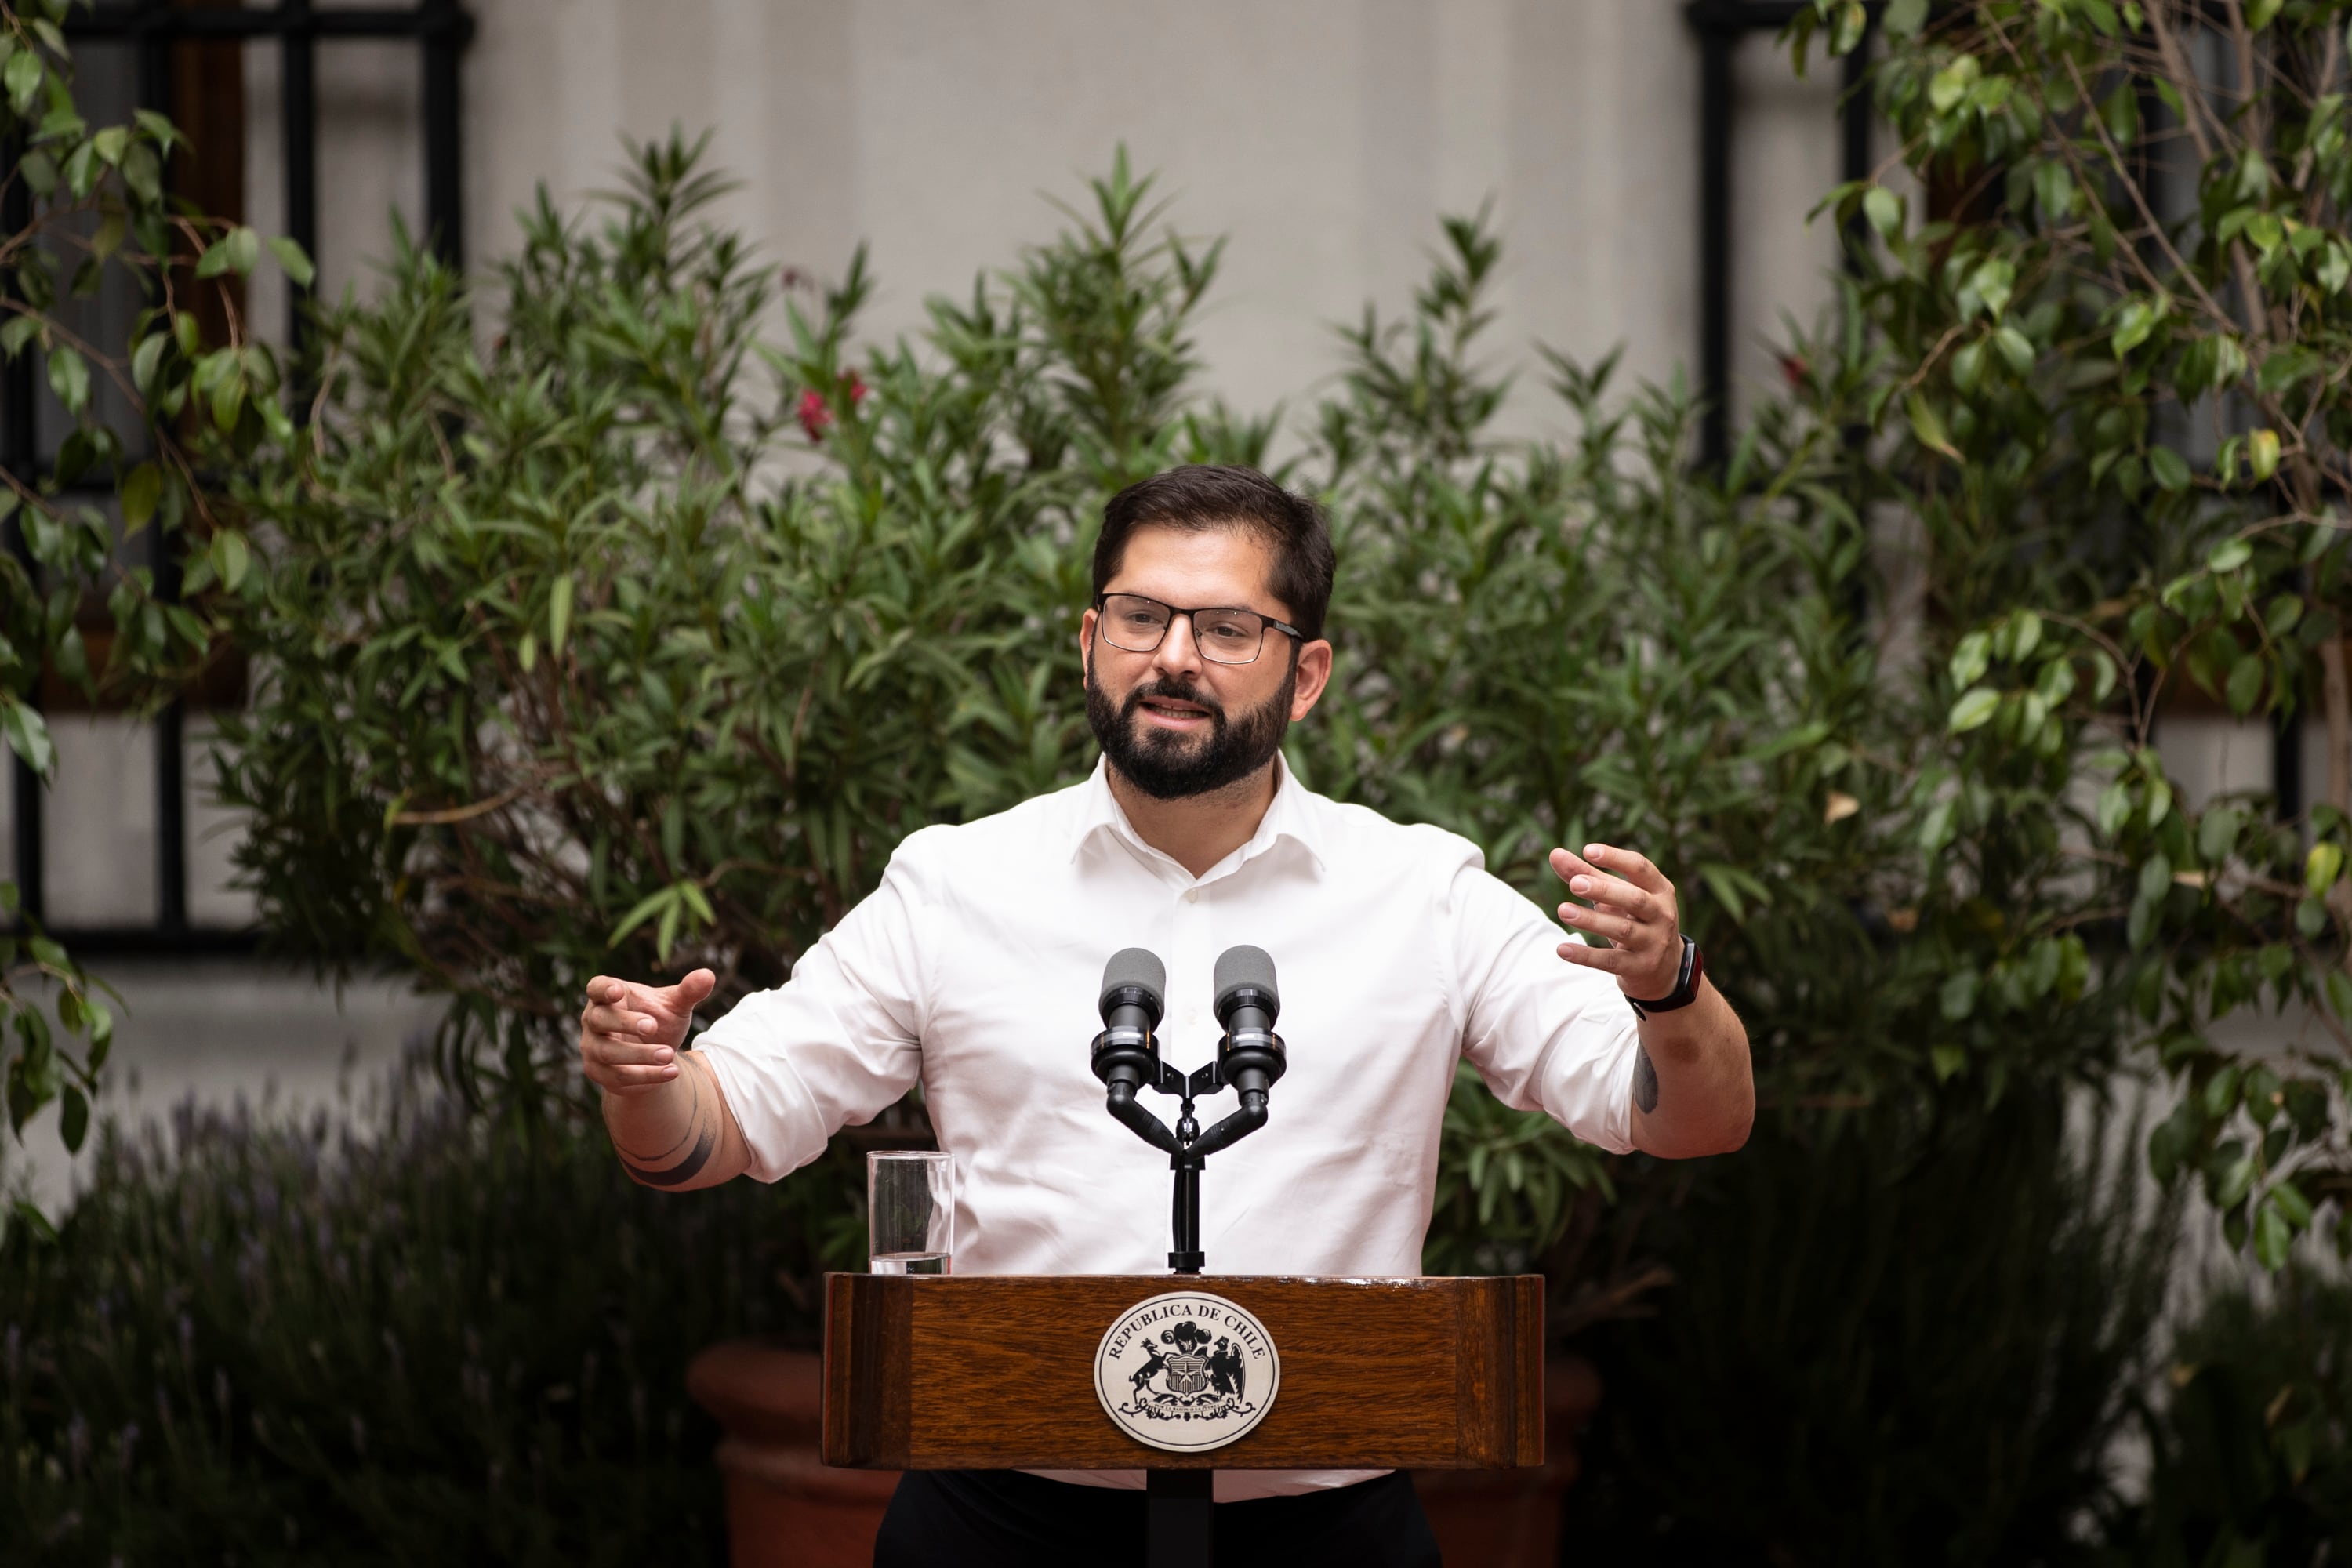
(2251, 1449)
(441, 1341)
(446, 1339)
(1907, 1338)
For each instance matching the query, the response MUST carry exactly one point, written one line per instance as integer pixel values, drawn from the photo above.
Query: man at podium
(972, 970)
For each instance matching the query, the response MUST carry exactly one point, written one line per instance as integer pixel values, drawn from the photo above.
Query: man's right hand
(630, 1034)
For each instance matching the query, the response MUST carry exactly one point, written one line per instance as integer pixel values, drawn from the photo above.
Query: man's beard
(1168, 766)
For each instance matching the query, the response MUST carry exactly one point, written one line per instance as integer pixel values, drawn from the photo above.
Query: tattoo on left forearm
(699, 1128)
(1645, 1080)
(685, 1172)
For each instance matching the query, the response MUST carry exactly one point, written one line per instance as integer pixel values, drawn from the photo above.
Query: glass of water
(910, 1210)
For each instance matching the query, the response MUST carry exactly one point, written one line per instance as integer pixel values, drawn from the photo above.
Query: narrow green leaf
(2273, 1238)
(2015, 348)
(28, 735)
(2115, 809)
(1958, 998)
(2321, 866)
(294, 260)
(645, 910)
(1973, 708)
(28, 1213)
(23, 78)
(2263, 454)
(230, 556)
(1928, 426)
(69, 378)
(558, 614)
(1884, 208)
(141, 489)
(145, 360)
(2245, 687)
(1970, 659)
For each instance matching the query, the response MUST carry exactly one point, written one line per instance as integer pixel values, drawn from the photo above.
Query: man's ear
(1314, 675)
(1086, 644)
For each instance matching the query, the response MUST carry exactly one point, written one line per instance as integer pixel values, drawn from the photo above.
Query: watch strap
(1685, 991)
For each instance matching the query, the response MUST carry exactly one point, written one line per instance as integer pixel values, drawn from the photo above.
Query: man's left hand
(1632, 905)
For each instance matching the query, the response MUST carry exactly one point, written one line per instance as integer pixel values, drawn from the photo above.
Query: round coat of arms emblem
(1186, 1371)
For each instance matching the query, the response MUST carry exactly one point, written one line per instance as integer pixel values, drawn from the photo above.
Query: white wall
(1323, 136)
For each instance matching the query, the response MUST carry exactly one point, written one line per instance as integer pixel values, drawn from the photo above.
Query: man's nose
(1179, 652)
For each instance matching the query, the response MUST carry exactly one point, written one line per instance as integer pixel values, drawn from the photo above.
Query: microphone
(1250, 1057)
(1126, 1055)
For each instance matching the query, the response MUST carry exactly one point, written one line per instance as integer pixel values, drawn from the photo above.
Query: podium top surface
(1000, 1372)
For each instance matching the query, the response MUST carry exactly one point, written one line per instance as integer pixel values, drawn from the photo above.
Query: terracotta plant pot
(786, 1508)
(783, 1504)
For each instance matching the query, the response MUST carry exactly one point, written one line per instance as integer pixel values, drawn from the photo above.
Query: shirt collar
(1287, 820)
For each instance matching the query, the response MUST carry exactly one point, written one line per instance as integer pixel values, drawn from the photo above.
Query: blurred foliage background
(622, 610)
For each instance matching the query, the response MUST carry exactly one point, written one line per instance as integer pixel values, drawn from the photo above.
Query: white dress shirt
(975, 967)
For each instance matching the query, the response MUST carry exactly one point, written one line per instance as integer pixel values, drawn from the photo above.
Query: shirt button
(1191, 895)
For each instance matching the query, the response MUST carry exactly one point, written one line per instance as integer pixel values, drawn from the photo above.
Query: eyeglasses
(1139, 624)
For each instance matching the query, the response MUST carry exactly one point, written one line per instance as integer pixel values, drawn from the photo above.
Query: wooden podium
(999, 1373)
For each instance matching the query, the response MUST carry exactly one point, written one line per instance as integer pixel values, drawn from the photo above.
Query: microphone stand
(1179, 1507)
(1125, 1064)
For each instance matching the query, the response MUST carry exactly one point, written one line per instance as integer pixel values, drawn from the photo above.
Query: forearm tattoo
(1645, 1080)
(700, 1131)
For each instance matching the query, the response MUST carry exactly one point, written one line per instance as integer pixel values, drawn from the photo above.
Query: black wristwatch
(1685, 991)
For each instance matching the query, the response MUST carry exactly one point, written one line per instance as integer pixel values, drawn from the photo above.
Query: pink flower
(815, 415)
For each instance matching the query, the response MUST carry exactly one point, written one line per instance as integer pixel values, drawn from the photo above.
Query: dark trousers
(981, 1519)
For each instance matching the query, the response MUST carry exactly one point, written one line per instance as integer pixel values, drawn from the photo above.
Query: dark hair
(1199, 496)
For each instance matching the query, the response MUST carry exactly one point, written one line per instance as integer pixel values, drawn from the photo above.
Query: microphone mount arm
(1128, 1059)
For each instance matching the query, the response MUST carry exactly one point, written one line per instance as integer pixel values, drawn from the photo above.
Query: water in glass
(910, 1263)
(910, 1211)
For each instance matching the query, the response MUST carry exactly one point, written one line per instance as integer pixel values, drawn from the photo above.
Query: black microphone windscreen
(1245, 968)
(1134, 966)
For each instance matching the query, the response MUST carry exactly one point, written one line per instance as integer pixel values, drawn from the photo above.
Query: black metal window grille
(1722, 26)
(439, 31)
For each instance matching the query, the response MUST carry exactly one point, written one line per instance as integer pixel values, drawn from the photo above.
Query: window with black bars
(121, 852)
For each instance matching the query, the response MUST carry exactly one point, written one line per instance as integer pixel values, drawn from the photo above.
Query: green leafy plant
(414, 1338)
(638, 642)
(2251, 1446)
(2108, 382)
(96, 213)
(1907, 1337)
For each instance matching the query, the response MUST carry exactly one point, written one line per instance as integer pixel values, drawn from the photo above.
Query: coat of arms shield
(1188, 1373)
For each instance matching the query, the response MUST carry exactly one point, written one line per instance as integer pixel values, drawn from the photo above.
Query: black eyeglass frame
(1297, 638)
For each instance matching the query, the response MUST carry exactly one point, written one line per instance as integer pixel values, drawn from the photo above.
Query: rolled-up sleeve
(839, 1041)
(1544, 1034)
